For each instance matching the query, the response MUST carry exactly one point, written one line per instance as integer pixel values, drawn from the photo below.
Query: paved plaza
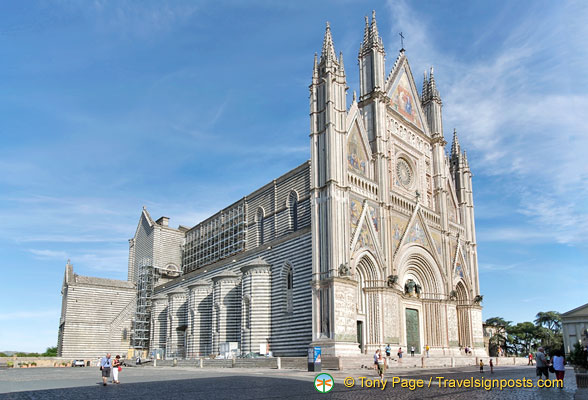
(194, 383)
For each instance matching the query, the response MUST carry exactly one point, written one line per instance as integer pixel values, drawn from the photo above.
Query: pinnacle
(328, 52)
(455, 148)
(425, 84)
(371, 37)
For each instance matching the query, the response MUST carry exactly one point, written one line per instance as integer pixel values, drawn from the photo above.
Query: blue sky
(184, 107)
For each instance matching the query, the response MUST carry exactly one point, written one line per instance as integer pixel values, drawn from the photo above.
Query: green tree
(549, 330)
(522, 337)
(50, 352)
(549, 319)
(499, 321)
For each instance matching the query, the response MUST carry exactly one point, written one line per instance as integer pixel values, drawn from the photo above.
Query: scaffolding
(141, 323)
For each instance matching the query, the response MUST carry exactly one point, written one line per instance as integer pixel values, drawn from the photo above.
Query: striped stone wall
(96, 316)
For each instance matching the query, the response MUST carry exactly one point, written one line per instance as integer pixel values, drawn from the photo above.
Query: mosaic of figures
(356, 209)
(357, 159)
(403, 101)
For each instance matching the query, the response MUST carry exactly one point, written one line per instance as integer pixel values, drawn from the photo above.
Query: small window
(289, 288)
(293, 210)
(259, 217)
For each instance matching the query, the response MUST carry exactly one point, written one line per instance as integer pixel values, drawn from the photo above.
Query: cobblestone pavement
(193, 383)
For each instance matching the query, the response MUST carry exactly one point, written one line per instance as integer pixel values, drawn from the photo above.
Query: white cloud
(36, 314)
(520, 112)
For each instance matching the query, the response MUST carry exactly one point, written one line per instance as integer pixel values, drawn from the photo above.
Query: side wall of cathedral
(96, 316)
(255, 293)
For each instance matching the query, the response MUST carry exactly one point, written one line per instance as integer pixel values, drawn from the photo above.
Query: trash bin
(314, 359)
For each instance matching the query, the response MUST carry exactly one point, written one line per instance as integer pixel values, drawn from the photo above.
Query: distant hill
(9, 353)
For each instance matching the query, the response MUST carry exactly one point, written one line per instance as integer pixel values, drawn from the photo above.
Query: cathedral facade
(370, 242)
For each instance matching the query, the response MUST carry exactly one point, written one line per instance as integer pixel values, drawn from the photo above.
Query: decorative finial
(354, 96)
(401, 42)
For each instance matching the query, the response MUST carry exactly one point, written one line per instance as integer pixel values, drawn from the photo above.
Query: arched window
(293, 210)
(259, 217)
(247, 312)
(288, 278)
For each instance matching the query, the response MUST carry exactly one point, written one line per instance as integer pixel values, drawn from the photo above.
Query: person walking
(116, 368)
(388, 349)
(481, 366)
(400, 354)
(559, 365)
(427, 350)
(412, 351)
(541, 364)
(381, 366)
(530, 359)
(376, 358)
(491, 366)
(105, 367)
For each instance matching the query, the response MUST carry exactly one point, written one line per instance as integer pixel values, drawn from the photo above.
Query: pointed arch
(418, 264)
(287, 287)
(368, 276)
(292, 206)
(464, 331)
(259, 217)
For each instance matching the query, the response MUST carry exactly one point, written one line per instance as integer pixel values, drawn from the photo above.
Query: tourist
(388, 349)
(105, 366)
(530, 359)
(381, 363)
(541, 364)
(116, 368)
(376, 358)
(427, 350)
(559, 365)
(491, 366)
(400, 354)
(412, 351)
(481, 366)
(466, 350)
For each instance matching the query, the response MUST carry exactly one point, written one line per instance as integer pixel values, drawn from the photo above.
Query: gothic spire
(375, 37)
(433, 93)
(371, 36)
(366, 32)
(315, 67)
(425, 84)
(328, 52)
(341, 66)
(455, 148)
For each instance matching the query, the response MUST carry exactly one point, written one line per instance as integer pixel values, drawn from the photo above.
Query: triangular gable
(355, 209)
(358, 150)
(581, 311)
(460, 266)
(452, 205)
(404, 97)
(366, 236)
(418, 232)
(144, 217)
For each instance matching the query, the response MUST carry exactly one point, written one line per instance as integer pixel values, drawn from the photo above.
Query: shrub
(578, 357)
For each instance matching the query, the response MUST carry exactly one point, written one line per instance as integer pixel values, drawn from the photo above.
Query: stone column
(199, 319)
(159, 321)
(255, 305)
(176, 346)
(226, 310)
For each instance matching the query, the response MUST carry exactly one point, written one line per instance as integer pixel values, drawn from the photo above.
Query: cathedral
(370, 242)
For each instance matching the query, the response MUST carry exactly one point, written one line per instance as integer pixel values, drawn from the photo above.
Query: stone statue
(344, 270)
(392, 279)
(409, 287)
(478, 299)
